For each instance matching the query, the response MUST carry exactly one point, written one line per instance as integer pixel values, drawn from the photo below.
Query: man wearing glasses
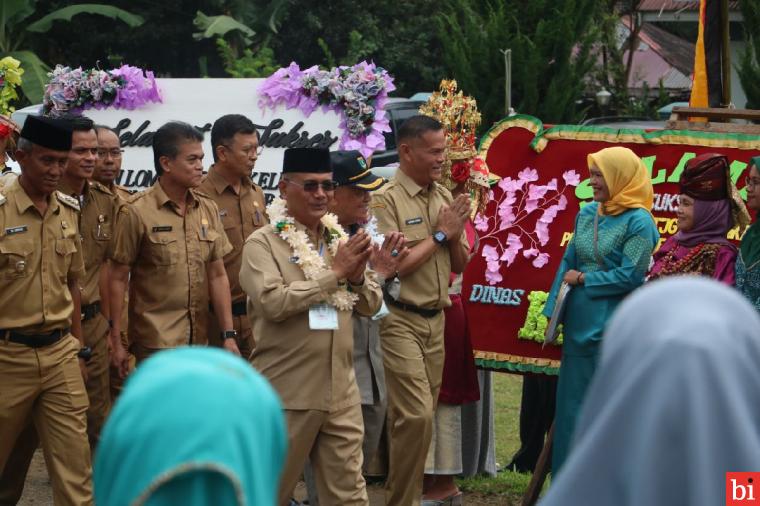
(108, 166)
(235, 147)
(304, 277)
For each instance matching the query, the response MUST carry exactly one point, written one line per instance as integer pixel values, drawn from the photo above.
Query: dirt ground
(37, 491)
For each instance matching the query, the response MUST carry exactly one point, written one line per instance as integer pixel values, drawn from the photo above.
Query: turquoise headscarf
(194, 426)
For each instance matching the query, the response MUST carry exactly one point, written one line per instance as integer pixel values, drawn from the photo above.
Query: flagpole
(726, 50)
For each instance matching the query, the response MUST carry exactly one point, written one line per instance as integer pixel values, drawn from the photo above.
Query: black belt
(238, 308)
(427, 313)
(34, 340)
(90, 311)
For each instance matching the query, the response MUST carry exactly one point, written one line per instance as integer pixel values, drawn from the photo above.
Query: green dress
(625, 245)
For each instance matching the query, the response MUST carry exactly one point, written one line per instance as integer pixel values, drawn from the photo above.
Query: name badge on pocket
(162, 228)
(323, 317)
(414, 221)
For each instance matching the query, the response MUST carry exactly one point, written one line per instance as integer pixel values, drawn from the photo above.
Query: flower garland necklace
(311, 262)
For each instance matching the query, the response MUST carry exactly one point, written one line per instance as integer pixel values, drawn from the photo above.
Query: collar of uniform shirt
(68, 190)
(23, 202)
(220, 183)
(409, 185)
(162, 198)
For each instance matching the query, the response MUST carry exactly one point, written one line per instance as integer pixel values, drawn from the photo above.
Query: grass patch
(507, 487)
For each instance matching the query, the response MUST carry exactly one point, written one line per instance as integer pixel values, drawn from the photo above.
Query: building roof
(677, 5)
(673, 49)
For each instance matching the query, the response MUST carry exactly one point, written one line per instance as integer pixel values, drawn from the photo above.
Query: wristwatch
(85, 353)
(229, 334)
(440, 238)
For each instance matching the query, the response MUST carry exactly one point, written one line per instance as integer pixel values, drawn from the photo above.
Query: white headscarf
(674, 404)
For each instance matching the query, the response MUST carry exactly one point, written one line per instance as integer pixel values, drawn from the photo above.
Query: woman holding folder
(606, 259)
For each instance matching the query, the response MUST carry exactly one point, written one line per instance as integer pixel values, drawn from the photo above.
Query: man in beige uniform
(98, 210)
(412, 335)
(303, 327)
(108, 167)
(40, 264)
(172, 241)
(106, 170)
(241, 209)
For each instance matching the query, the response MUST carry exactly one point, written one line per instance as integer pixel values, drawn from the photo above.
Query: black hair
(226, 127)
(416, 126)
(82, 124)
(167, 139)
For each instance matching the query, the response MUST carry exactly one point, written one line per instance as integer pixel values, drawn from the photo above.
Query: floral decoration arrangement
(357, 93)
(10, 79)
(71, 91)
(517, 201)
(306, 256)
(535, 322)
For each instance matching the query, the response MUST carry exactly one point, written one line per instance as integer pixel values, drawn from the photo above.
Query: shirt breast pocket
(65, 248)
(14, 259)
(414, 233)
(207, 241)
(162, 249)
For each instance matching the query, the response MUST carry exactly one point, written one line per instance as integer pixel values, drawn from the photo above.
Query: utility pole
(507, 81)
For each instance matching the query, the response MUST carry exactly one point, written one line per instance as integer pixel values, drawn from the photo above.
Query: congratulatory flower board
(531, 214)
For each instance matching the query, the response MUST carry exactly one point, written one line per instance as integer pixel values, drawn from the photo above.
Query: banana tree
(15, 25)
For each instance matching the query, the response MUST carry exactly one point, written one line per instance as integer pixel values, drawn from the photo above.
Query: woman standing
(748, 263)
(708, 207)
(605, 261)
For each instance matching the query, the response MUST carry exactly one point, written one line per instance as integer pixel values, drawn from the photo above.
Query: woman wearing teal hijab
(193, 427)
(748, 263)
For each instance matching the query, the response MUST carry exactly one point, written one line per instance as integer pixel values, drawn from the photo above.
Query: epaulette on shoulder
(200, 193)
(69, 201)
(100, 187)
(389, 185)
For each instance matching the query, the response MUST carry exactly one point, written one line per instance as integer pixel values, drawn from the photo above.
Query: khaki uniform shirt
(96, 219)
(402, 206)
(38, 255)
(168, 254)
(121, 193)
(241, 214)
(310, 369)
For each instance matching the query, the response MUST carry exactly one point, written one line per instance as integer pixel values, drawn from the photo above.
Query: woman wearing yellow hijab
(606, 259)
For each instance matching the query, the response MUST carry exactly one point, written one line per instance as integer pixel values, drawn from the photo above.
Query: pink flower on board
(514, 245)
(528, 175)
(493, 276)
(530, 253)
(481, 223)
(541, 260)
(490, 253)
(571, 178)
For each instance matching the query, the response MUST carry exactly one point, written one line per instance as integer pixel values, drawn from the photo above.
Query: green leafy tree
(16, 29)
(249, 64)
(749, 64)
(551, 46)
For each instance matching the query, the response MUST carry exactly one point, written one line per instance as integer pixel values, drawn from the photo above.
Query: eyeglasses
(113, 153)
(247, 151)
(311, 186)
(752, 182)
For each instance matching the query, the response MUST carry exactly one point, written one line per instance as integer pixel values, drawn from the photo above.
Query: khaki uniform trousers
(95, 332)
(332, 441)
(413, 358)
(97, 385)
(45, 384)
